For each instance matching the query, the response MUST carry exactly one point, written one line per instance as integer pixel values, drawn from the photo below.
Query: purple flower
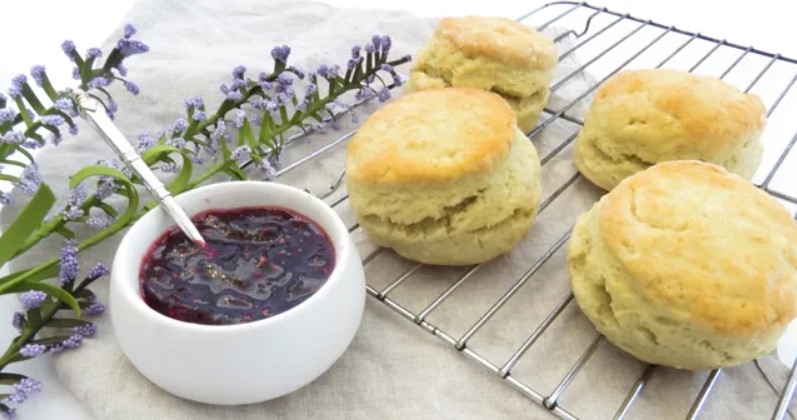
(370, 79)
(354, 116)
(14, 137)
(53, 120)
(132, 88)
(238, 72)
(129, 47)
(100, 221)
(32, 350)
(28, 386)
(86, 330)
(74, 340)
(93, 53)
(76, 73)
(240, 116)
(79, 195)
(384, 94)
(355, 52)
(365, 94)
(194, 101)
(63, 104)
(6, 115)
(170, 168)
(18, 321)
(99, 81)
(69, 48)
(14, 399)
(199, 115)
(9, 414)
(273, 107)
(94, 309)
(177, 142)
(297, 72)
(370, 49)
(234, 95)
(37, 72)
(310, 89)
(386, 43)
(69, 262)
(99, 270)
(241, 153)
(73, 130)
(122, 69)
(258, 102)
(302, 107)
(376, 41)
(327, 72)
(145, 142)
(197, 159)
(354, 62)
(387, 67)
(281, 53)
(219, 132)
(73, 213)
(283, 80)
(267, 169)
(180, 125)
(30, 180)
(32, 299)
(129, 31)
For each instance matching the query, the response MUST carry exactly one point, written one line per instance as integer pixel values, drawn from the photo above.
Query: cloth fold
(393, 370)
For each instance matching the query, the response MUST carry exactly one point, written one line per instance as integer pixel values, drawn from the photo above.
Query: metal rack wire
(588, 33)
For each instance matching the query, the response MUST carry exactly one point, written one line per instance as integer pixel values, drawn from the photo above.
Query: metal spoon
(94, 112)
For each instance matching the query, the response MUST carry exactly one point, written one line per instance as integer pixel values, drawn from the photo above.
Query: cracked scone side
(444, 176)
(688, 266)
(494, 54)
(489, 215)
(641, 117)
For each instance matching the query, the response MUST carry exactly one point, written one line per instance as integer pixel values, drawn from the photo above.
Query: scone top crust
(660, 113)
(436, 135)
(705, 244)
(499, 38)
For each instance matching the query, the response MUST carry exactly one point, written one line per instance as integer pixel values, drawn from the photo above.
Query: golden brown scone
(642, 117)
(444, 176)
(491, 53)
(687, 265)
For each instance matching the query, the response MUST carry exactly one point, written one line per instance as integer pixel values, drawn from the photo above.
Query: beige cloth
(393, 370)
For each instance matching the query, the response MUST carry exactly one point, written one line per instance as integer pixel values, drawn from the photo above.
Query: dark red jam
(258, 262)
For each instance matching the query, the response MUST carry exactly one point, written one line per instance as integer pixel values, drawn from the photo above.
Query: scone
(491, 53)
(444, 177)
(686, 265)
(641, 117)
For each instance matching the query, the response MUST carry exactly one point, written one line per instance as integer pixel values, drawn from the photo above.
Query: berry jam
(258, 262)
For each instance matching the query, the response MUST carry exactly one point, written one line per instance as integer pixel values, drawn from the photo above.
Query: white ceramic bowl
(243, 363)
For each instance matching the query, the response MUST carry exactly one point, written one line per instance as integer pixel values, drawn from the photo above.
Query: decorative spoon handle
(94, 112)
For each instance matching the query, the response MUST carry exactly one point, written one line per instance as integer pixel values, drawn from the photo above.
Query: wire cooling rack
(607, 42)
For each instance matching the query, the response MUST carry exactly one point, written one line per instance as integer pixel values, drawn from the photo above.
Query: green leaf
(66, 323)
(107, 208)
(10, 378)
(34, 316)
(51, 290)
(26, 222)
(31, 97)
(65, 232)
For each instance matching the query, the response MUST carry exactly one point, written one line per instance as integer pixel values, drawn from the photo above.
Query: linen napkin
(393, 370)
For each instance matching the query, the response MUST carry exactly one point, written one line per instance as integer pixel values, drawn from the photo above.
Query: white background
(31, 32)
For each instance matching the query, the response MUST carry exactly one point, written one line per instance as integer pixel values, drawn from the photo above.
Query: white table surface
(31, 32)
